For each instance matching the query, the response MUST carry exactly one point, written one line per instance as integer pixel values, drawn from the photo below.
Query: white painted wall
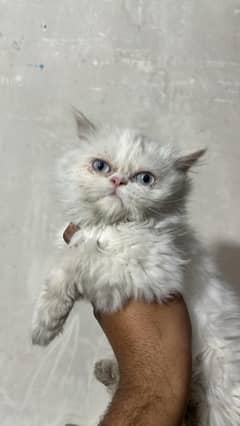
(172, 68)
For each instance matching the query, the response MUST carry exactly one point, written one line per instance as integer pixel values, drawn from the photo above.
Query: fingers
(69, 232)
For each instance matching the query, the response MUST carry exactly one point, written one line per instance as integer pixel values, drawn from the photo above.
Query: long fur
(139, 245)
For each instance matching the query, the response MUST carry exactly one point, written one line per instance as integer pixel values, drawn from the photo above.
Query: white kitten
(128, 194)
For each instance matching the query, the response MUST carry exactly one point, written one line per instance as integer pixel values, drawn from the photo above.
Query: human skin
(152, 344)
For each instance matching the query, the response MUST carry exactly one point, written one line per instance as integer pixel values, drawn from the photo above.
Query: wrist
(140, 404)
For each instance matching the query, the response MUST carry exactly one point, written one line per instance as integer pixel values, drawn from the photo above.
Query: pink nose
(117, 181)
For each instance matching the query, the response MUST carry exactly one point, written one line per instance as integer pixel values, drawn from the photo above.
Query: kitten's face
(119, 175)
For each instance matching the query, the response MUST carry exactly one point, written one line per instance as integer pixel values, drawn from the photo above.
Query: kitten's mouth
(115, 194)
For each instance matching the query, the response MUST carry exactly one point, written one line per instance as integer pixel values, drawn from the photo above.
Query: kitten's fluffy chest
(126, 260)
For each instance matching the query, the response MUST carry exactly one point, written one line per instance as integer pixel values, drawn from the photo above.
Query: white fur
(138, 245)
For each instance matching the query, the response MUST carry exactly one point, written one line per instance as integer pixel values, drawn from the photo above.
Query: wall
(169, 67)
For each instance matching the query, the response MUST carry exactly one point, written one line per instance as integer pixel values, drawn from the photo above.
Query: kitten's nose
(117, 181)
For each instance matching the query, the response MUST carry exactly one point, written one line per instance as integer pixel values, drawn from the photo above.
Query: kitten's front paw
(47, 323)
(53, 307)
(42, 335)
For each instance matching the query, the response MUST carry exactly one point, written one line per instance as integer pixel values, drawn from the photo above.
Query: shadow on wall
(227, 256)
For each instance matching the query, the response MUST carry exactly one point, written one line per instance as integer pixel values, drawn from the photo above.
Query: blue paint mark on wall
(39, 66)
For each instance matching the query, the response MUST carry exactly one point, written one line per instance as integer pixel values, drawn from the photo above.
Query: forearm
(135, 405)
(154, 357)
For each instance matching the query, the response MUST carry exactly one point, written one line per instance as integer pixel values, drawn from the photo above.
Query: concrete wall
(170, 67)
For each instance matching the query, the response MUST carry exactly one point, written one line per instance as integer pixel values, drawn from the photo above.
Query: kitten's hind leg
(106, 371)
(54, 304)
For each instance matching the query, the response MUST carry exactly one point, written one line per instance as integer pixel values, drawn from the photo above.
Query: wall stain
(39, 66)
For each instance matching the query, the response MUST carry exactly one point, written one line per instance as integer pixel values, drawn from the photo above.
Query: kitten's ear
(84, 127)
(185, 163)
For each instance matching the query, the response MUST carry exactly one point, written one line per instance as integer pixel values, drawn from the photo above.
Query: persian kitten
(128, 195)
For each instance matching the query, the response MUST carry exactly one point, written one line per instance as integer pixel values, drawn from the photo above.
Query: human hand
(152, 344)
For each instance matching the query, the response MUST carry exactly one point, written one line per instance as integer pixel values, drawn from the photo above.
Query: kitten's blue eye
(101, 166)
(145, 178)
